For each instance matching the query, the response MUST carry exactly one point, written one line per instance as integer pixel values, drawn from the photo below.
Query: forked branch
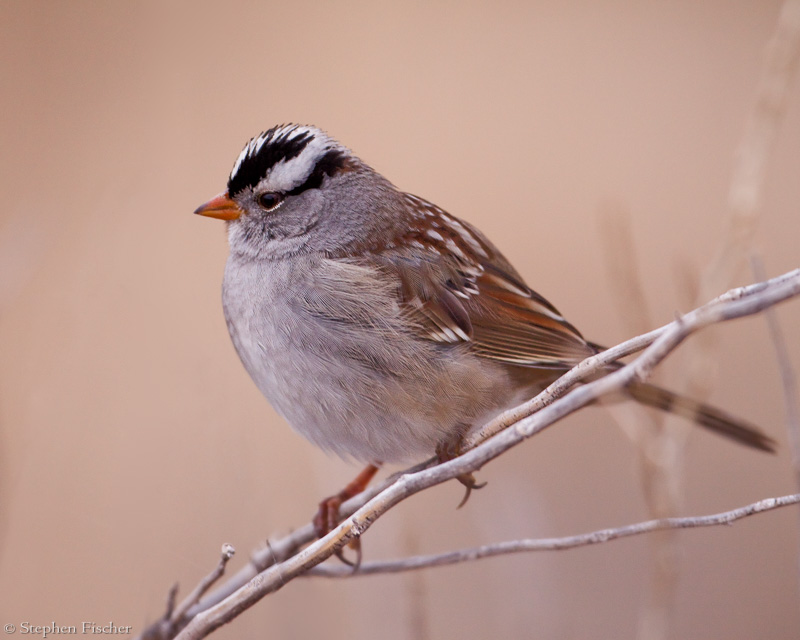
(287, 558)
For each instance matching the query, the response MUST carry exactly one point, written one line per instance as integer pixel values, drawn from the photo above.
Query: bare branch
(280, 549)
(736, 303)
(205, 584)
(175, 618)
(553, 544)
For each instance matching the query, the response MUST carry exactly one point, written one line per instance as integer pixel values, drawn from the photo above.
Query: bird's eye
(270, 200)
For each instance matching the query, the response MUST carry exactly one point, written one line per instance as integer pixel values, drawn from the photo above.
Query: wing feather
(457, 288)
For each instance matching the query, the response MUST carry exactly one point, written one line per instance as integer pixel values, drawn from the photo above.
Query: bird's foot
(450, 449)
(327, 517)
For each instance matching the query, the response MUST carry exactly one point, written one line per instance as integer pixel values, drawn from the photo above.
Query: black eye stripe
(329, 164)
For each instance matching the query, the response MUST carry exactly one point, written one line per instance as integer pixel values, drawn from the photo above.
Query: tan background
(133, 442)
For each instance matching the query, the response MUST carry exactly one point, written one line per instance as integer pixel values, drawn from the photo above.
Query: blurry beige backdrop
(133, 443)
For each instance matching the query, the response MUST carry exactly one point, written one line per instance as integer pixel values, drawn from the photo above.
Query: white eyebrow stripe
(319, 140)
(288, 174)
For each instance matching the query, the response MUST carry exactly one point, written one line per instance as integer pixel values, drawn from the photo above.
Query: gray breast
(342, 366)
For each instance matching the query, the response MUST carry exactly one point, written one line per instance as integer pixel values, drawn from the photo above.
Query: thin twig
(551, 544)
(279, 549)
(164, 627)
(737, 303)
(205, 584)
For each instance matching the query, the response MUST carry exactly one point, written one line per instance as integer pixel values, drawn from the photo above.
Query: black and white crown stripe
(295, 158)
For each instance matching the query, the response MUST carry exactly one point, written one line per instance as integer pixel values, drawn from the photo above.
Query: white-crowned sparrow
(380, 326)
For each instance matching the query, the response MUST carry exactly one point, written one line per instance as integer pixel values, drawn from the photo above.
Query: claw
(327, 517)
(355, 545)
(470, 483)
(450, 449)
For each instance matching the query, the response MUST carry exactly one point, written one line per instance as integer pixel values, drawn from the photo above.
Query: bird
(380, 326)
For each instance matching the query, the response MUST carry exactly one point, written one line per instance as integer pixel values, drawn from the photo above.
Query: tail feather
(707, 416)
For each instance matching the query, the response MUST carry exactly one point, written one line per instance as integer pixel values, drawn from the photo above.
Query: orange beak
(220, 207)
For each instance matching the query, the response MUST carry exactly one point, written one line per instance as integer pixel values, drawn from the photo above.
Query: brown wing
(459, 289)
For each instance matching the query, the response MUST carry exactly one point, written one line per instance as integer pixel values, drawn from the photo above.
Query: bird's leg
(327, 516)
(450, 449)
